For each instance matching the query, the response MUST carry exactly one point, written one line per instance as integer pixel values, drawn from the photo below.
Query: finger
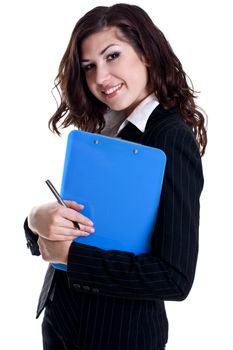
(68, 234)
(73, 215)
(70, 225)
(65, 230)
(74, 205)
(88, 229)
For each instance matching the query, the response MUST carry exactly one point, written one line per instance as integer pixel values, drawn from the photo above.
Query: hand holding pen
(79, 221)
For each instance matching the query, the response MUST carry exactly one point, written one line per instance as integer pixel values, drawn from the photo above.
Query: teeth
(110, 91)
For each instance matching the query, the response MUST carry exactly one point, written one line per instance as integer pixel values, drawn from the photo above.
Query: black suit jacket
(113, 299)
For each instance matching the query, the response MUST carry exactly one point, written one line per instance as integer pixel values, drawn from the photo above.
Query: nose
(102, 75)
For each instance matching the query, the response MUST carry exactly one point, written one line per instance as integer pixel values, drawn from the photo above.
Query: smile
(112, 89)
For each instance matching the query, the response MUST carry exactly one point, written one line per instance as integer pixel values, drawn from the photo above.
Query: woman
(119, 68)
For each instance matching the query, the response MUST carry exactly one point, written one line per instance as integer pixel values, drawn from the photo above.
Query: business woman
(120, 77)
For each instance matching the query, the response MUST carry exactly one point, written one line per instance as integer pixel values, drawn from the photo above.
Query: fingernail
(92, 229)
(90, 223)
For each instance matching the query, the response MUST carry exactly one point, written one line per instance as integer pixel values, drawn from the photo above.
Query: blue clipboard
(119, 183)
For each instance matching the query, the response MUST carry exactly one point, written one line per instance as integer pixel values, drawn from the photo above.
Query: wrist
(66, 252)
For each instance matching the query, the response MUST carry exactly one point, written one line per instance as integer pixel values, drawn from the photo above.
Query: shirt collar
(141, 113)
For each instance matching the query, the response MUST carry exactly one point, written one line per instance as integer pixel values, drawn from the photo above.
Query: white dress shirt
(115, 120)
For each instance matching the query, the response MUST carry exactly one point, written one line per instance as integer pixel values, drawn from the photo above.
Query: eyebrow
(103, 51)
(107, 47)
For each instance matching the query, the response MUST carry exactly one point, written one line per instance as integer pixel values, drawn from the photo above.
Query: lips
(111, 90)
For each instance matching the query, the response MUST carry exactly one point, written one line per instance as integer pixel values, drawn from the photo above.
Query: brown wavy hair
(79, 107)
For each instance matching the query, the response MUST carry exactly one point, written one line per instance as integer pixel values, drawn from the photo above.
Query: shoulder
(162, 120)
(166, 129)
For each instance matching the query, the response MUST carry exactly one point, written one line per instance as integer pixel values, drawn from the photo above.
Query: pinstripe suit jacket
(113, 299)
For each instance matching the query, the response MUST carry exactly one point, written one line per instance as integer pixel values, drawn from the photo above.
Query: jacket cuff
(31, 238)
(78, 258)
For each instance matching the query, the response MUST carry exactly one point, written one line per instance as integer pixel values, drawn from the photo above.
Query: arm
(168, 272)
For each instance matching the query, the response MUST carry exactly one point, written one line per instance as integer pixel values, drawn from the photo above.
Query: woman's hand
(53, 221)
(54, 252)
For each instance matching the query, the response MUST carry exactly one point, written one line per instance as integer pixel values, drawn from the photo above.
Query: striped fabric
(113, 300)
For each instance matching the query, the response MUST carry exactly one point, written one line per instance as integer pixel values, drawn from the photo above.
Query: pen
(60, 200)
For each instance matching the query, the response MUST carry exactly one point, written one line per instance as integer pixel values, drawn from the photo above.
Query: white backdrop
(34, 35)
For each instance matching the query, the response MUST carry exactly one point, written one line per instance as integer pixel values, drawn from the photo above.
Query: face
(115, 73)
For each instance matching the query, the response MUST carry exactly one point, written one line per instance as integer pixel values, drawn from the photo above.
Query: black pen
(60, 200)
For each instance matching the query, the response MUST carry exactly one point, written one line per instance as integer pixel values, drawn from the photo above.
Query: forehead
(96, 42)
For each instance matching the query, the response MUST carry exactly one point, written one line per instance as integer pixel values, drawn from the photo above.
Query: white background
(34, 36)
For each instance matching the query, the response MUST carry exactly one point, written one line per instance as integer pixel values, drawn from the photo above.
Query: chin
(118, 107)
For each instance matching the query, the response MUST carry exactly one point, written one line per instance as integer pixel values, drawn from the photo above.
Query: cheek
(141, 71)
(136, 72)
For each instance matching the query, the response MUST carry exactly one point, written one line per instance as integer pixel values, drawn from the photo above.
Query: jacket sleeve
(32, 239)
(166, 273)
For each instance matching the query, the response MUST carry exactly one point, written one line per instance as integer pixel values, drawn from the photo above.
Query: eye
(112, 56)
(87, 67)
